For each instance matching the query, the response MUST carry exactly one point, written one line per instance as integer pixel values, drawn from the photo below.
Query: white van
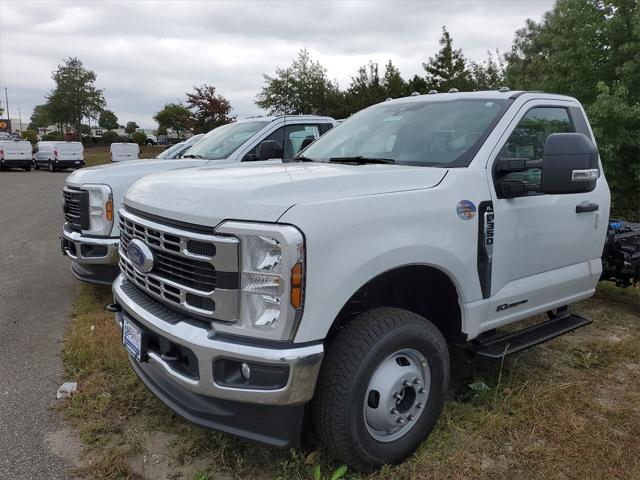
(15, 154)
(58, 155)
(121, 152)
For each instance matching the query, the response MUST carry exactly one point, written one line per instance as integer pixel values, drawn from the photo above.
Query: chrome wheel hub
(396, 395)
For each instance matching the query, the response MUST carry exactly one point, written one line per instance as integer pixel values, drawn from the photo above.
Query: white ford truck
(334, 282)
(92, 196)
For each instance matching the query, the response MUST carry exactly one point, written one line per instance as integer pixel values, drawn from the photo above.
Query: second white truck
(92, 196)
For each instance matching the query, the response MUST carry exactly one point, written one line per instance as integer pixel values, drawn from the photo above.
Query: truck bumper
(93, 260)
(16, 163)
(210, 391)
(68, 163)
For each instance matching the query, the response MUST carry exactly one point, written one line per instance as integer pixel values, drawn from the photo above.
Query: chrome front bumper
(88, 250)
(303, 362)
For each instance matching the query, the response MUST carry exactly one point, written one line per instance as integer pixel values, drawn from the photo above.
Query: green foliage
(301, 88)
(138, 137)
(392, 82)
(110, 137)
(174, 116)
(40, 117)
(208, 109)
(108, 120)
(448, 68)
(75, 95)
(591, 50)
(85, 129)
(54, 136)
(366, 88)
(30, 135)
(131, 127)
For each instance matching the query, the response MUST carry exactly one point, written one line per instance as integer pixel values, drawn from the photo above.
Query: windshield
(432, 133)
(223, 141)
(171, 151)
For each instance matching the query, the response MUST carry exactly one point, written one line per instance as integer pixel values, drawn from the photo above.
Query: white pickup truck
(92, 196)
(335, 282)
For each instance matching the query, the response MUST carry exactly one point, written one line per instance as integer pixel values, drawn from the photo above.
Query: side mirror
(269, 149)
(570, 164)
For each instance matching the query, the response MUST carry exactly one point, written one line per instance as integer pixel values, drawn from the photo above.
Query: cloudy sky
(148, 53)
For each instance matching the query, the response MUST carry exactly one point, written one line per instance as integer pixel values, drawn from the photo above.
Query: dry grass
(568, 409)
(99, 155)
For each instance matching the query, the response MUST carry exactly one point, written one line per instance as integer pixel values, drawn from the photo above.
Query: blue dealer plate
(132, 338)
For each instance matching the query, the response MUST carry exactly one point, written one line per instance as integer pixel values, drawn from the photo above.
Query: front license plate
(132, 338)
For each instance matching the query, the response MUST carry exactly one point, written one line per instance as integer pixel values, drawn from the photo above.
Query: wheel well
(421, 289)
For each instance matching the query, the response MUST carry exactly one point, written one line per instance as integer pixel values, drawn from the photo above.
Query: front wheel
(36, 166)
(381, 388)
(51, 167)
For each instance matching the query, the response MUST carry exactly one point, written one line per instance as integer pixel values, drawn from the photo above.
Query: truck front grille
(76, 208)
(184, 273)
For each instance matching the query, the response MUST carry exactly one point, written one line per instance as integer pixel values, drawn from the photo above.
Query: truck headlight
(100, 209)
(271, 279)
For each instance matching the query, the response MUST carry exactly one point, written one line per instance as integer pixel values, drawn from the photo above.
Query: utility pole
(6, 100)
(20, 119)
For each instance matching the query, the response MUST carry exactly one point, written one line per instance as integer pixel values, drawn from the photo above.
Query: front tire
(381, 388)
(36, 166)
(51, 167)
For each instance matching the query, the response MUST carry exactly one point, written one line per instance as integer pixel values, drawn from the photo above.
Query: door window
(290, 138)
(528, 139)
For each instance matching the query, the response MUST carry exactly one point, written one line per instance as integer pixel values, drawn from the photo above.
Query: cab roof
(502, 94)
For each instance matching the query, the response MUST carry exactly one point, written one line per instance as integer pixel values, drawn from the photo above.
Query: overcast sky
(146, 53)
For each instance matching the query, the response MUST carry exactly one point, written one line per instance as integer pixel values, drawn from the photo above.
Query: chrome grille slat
(179, 277)
(76, 208)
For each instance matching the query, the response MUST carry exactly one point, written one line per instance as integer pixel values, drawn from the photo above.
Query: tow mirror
(269, 149)
(570, 164)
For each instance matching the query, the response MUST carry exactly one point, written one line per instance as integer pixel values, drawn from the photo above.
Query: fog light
(245, 370)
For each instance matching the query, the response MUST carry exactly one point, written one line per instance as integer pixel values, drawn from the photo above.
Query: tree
(448, 68)
(417, 84)
(174, 116)
(591, 50)
(40, 118)
(108, 120)
(366, 88)
(488, 75)
(131, 127)
(75, 95)
(138, 137)
(301, 88)
(208, 110)
(392, 82)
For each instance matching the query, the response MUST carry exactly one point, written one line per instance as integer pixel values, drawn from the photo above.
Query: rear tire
(374, 377)
(36, 166)
(27, 169)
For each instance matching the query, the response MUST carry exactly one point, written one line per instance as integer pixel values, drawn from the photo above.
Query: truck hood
(206, 196)
(130, 170)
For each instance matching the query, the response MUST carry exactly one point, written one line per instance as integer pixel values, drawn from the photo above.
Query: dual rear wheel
(381, 388)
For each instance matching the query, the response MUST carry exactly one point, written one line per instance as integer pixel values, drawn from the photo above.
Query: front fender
(351, 241)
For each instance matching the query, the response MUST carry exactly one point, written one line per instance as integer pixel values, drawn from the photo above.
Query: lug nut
(406, 383)
(400, 420)
(393, 411)
(416, 381)
(421, 390)
(397, 396)
(410, 418)
(418, 405)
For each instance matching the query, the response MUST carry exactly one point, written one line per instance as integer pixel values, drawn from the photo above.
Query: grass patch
(566, 409)
(100, 155)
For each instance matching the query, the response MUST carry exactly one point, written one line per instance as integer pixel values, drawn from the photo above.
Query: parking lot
(37, 293)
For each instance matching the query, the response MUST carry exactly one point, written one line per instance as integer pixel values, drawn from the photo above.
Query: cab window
(290, 138)
(528, 139)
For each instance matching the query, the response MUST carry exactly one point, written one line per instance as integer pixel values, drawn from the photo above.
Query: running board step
(497, 347)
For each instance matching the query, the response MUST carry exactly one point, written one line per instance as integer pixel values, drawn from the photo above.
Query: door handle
(586, 207)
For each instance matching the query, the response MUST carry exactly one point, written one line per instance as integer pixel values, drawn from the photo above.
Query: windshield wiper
(191, 155)
(361, 160)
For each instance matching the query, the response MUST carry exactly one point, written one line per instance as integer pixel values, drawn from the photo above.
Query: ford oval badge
(140, 255)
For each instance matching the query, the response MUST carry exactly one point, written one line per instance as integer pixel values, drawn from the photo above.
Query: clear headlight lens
(100, 209)
(271, 279)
